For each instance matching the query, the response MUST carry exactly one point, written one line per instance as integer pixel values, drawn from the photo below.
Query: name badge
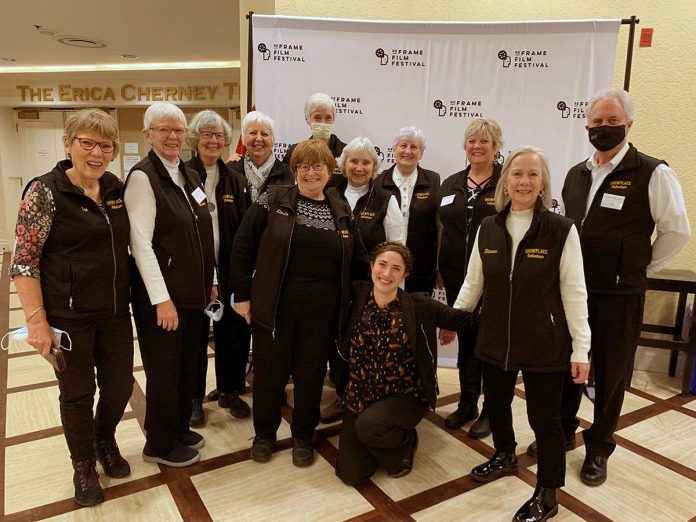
(612, 201)
(447, 200)
(198, 195)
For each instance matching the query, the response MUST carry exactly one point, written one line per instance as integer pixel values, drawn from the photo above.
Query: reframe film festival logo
(348, 104)
(524, 58)
(401, 57)
(282, 52)
(576, 110)
(459, 108)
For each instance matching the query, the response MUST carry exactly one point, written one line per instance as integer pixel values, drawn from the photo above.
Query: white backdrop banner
(534, 78)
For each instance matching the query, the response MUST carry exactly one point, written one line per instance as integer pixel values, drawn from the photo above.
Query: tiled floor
(652, 475)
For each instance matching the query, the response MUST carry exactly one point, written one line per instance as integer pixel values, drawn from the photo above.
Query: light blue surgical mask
(214, 310)
(18, 339)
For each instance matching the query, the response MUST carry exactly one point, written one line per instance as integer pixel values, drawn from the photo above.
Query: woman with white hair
(225, 191)
(415, 189)
(259, 165)
(527, 267)
(320, 115)
(171, 241)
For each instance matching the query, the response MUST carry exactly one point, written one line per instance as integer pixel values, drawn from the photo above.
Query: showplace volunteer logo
(574, 111)
(347, 104)
(282, 52)
(401, 57)
(459, 108)
(524, 58)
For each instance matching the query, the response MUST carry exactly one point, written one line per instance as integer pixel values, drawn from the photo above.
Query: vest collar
(421, 180)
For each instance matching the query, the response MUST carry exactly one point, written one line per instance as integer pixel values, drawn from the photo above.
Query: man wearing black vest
(617, 198)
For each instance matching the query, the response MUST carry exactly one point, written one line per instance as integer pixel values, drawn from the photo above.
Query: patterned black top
(381, 360)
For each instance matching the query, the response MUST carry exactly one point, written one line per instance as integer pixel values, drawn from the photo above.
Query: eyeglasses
(317, 167)
(210, 135)
(166, 131)
(106, 147)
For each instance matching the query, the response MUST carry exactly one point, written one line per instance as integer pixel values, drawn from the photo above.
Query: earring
(505, 192)
(69, 156)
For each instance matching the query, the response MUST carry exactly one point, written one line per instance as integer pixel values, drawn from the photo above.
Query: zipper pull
(70, 307)
(273, 334)
(553, 319)
(511, 276)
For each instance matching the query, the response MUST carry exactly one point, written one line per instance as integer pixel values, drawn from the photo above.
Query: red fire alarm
(646, 34)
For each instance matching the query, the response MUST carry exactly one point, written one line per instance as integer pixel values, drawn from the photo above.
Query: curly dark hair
(393, 246)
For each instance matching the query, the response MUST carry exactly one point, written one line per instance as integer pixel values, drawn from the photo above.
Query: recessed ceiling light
(129, 56)
(7, 59)
(81, 41)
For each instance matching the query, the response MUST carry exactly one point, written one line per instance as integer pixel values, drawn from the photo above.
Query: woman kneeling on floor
(389, 359)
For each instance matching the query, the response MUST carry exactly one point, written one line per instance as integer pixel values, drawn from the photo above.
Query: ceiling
(156, 31)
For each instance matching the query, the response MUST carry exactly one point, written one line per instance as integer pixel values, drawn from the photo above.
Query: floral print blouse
(381, 359)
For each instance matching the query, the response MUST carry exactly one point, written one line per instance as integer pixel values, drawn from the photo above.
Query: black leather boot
(501, 464)
(542, 506)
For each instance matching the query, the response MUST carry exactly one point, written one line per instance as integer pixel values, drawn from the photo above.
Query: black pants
(468, 365)
(379, 436)
(304, 333)
(170, 360)
(232, 337)
(543, 399)
(615, 322)
(107, 345)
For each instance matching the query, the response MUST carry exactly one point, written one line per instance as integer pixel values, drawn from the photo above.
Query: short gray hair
(360, 144)
(619, 95)
(206, 119)
(319, 100)
(410, 133)
(502, 198)
(260, 119)
(488, 129)
(96, 120)
(163, 111)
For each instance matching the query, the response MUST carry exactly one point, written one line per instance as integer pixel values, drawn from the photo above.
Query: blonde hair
(502, 198)
(87, 120)
(488, 129)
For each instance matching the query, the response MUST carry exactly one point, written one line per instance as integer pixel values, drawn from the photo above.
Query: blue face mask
(18, 340)
(214, 310)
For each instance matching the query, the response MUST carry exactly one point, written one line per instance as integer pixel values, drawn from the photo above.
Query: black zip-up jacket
(369, 212)
(280, 174)
(262, 246)
(422, 223)
(231, 204)
(422, 316)
(84, 261)
(456, 239)
(616, 244)
(182, 239)
(523, 324)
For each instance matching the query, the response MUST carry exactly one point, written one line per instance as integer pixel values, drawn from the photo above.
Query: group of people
(320, 258)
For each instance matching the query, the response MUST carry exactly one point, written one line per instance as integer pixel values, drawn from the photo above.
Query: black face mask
(606, 137)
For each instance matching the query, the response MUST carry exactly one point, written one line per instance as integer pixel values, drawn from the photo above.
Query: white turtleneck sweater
(572, 281)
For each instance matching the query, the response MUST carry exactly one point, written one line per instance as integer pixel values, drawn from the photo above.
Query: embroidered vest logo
(536, 253)
(489, 251)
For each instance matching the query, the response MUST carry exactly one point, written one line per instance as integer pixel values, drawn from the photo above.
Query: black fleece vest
(523, 325)
(84, 262)
(616, 246)
(182, 239)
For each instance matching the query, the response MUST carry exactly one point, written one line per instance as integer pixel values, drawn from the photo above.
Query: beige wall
(662, 77)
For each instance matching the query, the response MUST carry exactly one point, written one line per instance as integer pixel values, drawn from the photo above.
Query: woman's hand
(446, 336)
(167, 318)
(580, 372)
(438, 281)
(234, 157)
(243, 308)
(41, 336)
(213, 294)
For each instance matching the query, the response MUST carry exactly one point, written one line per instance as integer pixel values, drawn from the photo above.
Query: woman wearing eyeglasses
(225, 191)
(292, 262)
(70, 268)
(172, 245)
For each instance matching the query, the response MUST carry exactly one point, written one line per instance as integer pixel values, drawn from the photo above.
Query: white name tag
(198, 195)
(447, 200)
(613, 201)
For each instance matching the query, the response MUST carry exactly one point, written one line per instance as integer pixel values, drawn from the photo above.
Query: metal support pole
(633, 21)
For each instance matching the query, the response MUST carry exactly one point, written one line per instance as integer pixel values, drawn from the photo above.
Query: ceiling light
(81, 41)
(122, 67)
(8, 59)
(129, 56)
